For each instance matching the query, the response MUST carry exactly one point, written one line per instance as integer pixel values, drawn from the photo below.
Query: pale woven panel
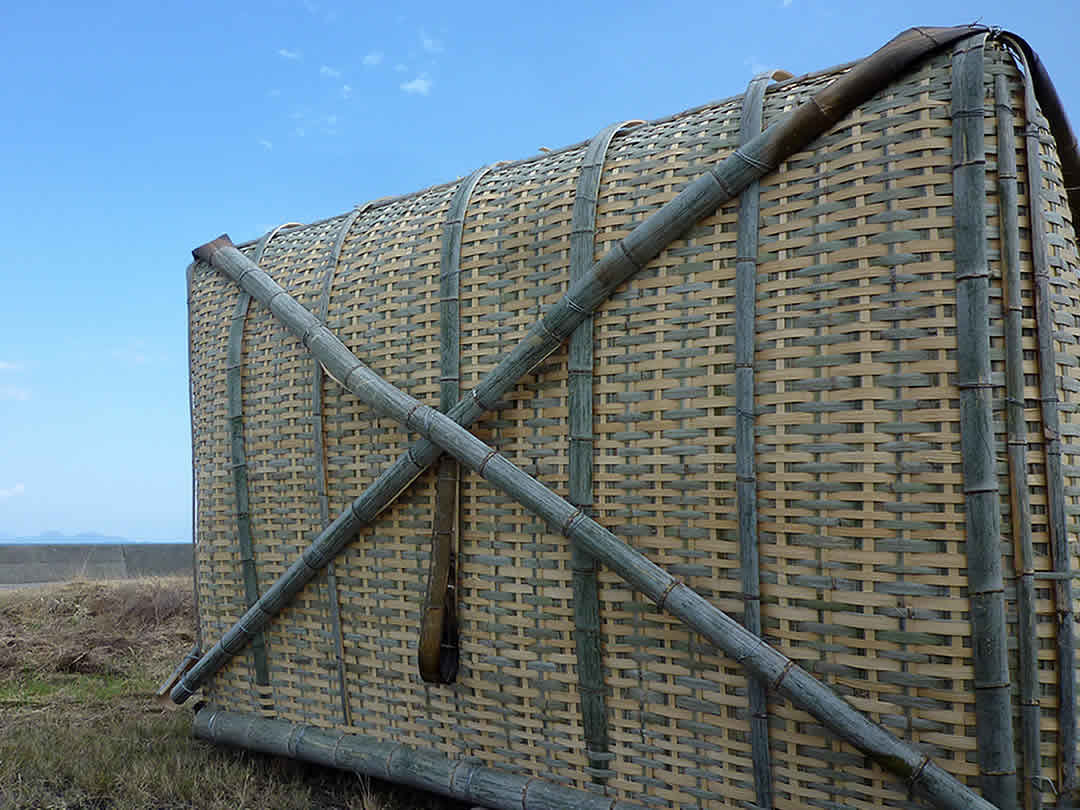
(861, 503)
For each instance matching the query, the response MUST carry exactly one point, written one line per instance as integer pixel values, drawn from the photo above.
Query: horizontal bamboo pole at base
(760, 659)
(426, 769)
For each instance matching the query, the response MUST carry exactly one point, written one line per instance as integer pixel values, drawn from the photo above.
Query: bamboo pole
(438, 654)
(197, 649)
(746, 253)
(333, 602)
(1055, 482)
(422, 768)
(982, 510)
(1019, 486)
(592, 690)
(762, 660)
(720, 184)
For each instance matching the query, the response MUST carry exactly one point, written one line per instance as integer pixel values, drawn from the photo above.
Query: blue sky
(134, 132)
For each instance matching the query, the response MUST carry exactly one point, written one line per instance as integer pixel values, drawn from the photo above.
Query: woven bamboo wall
(861, 502)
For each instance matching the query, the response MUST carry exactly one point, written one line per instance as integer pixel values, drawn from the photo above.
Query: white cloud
(373, 58)
(265, 144)
(292, 56)
(787, 3)
(420, 86)
(6, 366)
(14, 392)
(430, 44)
(346, 90)
(18, 489)
(329, 72)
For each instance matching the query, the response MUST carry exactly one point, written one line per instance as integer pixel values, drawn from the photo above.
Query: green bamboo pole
(762, 660)
(586, 588)
(422, 768)
(1055, 481)
(234, 377)
(438, 655)
(622, 262)
(746, 253)
(1019, 487)
(333, 599)
(982, 510)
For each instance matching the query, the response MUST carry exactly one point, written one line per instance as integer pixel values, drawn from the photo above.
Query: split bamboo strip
(425, 769)
(746, 253)
(333, 602)
(239, 466)
(1020, 505)
(720, 184)
(438, 654)
(1055, 493)
(762, 660)
(993, 712)
(591, 687)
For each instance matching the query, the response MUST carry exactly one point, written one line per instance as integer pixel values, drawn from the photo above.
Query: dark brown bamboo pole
(438, 654)
(982, 510)
(590, 657)
(1055, 481)
(422, 768)
(622, 262)
(762, 660)
(1019, 486)
(333, 599)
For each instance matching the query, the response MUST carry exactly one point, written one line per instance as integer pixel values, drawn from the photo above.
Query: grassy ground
(79, 727)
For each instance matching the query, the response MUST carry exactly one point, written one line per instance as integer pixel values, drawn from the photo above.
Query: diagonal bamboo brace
(762, 660)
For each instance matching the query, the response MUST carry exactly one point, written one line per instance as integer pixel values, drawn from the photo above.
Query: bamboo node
(675, 583)
(787, 668)
(918, 772)
(491, 454)
(568, 526)
(757, 164)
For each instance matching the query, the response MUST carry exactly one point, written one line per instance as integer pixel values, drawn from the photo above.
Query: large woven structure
(830, 390)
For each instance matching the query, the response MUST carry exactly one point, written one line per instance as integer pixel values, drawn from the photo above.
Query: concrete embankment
(32, 563)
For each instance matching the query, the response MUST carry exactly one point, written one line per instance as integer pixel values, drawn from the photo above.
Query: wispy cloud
(265, 144)
(14, 393)
(346, 91)
(786, 4)
(18, 489)
(292, 56)
(400, 68)
(373, 58)
(9, 366)
(420, 86)
(329, 72)
(430, 44)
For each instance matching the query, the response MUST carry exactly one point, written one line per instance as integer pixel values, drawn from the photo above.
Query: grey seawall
(24, 564)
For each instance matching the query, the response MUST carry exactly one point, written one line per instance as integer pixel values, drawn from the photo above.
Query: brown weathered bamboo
(1051, 440)
(438, 653)
(669, 593)
(333, 599)
(986, 587)
(425, 769)
(746, 253)
(591, 687)
(720, 184)
(1020, 496)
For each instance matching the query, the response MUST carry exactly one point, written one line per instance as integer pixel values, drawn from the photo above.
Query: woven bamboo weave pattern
(861, 504)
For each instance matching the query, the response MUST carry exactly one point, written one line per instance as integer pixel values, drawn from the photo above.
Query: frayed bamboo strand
(993, 710)
(629, 256)
(762, 660)
(592, 690)
(1020, 503)
(1055, 492)
(746, 252)
(333, 603)
(422, 768)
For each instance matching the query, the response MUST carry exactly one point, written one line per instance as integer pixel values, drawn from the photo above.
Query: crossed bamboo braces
(449, 431)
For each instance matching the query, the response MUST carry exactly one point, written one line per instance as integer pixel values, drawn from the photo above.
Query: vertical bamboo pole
(1019, 487)
(438, 655)
(1055, 480)
(746, 253)
(333, 599)
(586, 589)
(993, 712)
(784, 675)
(197, 649)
